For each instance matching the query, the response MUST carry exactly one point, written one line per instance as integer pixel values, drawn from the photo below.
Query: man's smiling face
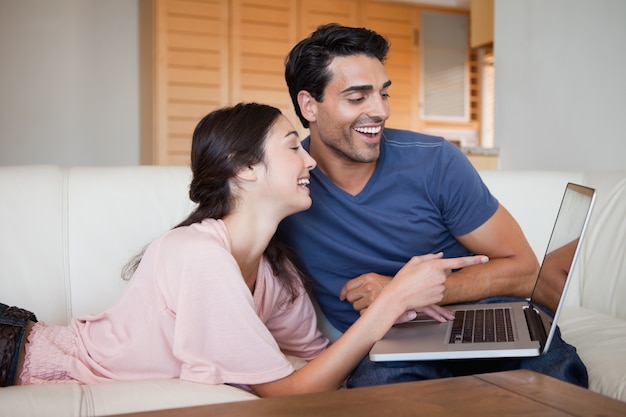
(349, 120)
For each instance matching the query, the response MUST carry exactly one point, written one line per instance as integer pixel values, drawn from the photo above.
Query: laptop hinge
(535, 325)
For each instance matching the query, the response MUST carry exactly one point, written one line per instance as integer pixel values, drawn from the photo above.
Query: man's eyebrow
(367, 87)
(358, 88)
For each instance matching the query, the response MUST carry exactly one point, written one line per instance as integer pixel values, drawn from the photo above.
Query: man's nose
(379, 107)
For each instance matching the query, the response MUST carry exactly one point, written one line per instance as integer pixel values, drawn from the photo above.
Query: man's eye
(295, 148)
(356, 100)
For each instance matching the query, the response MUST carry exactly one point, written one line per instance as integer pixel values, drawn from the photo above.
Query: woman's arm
(420, 283)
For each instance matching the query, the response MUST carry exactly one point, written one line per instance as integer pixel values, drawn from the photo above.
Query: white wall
(560, 91)
(69, 82)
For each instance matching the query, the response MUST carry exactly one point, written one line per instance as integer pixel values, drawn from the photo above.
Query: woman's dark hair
(225, 141)
(306, 66)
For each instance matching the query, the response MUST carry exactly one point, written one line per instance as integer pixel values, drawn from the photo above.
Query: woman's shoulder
(208, 235)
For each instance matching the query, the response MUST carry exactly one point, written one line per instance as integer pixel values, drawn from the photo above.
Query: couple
(223, 284)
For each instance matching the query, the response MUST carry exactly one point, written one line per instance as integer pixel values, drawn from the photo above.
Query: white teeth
(368, 130)
(303, 181)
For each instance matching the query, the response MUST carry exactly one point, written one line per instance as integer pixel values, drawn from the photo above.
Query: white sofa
(66, 233)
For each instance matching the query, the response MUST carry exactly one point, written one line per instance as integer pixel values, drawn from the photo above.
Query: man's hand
(362, 290)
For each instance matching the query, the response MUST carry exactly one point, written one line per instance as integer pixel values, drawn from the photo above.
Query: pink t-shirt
(187, 313)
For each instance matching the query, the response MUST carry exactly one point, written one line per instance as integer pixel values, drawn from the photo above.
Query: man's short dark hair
(306, 66)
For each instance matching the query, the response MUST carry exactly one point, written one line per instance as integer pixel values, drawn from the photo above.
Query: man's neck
(348, 175)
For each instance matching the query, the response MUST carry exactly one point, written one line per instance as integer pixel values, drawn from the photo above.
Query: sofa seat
(601, 343)
(109, 398)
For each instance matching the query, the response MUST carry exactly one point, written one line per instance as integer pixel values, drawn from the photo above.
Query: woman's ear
(247, 173)
(308, 105)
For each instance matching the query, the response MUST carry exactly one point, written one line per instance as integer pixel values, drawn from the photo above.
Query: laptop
(501, 330)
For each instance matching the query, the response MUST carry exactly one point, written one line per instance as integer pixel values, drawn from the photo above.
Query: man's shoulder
(431, 156)
(410, 144)
(401, 137)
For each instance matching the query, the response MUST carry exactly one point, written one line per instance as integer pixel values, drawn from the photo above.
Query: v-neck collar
(370, 182)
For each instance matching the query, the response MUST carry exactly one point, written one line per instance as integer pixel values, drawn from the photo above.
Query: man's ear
(308, 105)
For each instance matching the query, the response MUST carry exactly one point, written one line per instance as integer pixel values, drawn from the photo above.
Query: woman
(216, 299)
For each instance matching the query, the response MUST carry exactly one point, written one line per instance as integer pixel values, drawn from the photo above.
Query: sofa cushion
(42, 400)
(114, 213)
(603, 262)
(601, 343)
(137, 396)
(70, 400)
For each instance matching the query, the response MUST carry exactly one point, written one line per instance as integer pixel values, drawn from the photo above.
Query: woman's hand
(428, 313)
(420, 284)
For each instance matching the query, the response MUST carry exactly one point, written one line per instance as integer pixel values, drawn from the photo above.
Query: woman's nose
(309, 161)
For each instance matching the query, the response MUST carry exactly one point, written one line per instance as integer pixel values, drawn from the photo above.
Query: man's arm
(512, 268)
(511, 271)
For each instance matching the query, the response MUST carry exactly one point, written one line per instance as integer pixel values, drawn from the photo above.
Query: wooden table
(513, 393)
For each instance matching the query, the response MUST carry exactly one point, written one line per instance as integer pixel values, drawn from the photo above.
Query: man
(381, 196)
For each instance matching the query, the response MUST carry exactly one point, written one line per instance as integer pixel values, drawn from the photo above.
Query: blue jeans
(561, 362)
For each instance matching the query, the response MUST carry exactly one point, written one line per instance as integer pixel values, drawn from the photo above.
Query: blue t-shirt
(422, 194)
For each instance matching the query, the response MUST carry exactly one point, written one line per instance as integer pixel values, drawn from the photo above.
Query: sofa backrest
(603, 279)
(32, 244)
(67, 232)
(113, 214)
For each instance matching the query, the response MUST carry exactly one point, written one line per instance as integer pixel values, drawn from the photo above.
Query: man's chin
(367, 157)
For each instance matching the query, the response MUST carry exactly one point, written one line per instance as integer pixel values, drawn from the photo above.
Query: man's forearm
(503, 276)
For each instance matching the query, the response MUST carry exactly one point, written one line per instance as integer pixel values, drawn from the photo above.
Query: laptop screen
(559, 257)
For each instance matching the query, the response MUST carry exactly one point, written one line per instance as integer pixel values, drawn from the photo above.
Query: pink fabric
(187, 313)
(52, 346)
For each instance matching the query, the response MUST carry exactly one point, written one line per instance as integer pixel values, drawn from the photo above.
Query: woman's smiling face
(287, 167)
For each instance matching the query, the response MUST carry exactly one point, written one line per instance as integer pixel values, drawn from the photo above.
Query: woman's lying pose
(216, 299)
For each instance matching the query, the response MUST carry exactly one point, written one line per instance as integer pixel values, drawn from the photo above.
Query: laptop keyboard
(480, 326)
